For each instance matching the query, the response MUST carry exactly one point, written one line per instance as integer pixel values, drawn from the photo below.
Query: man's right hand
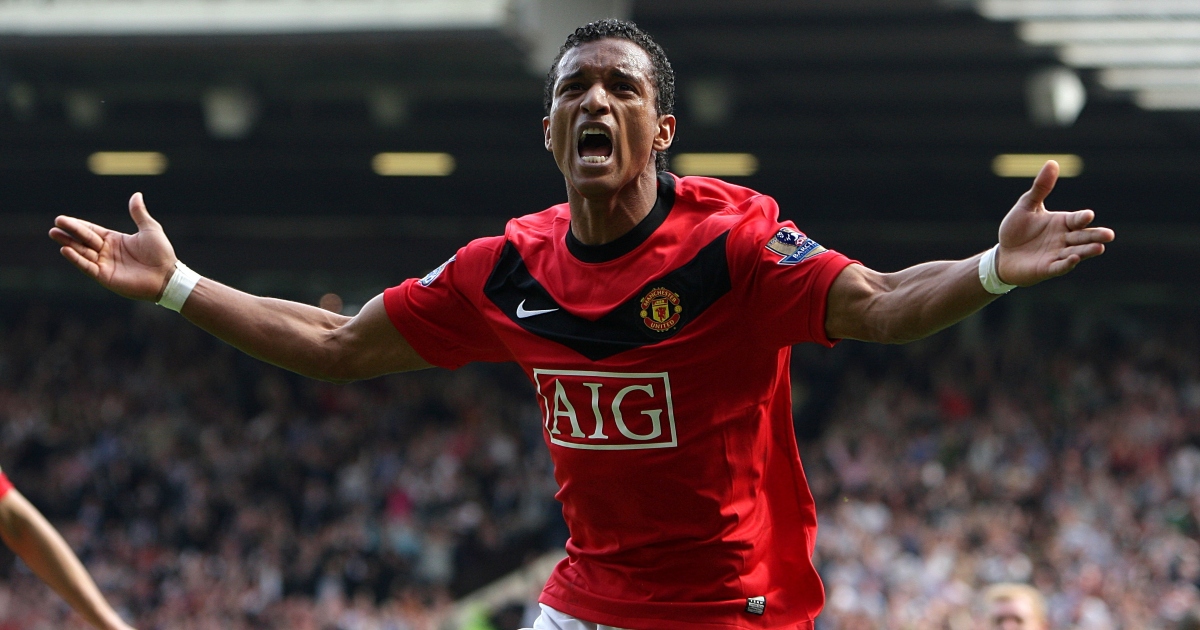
(298, 337)
(135, 266)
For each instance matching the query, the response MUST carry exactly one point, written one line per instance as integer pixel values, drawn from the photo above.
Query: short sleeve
(440, 315)
(785, 276)
(5, 485)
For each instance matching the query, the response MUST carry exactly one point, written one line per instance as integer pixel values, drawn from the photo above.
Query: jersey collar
(638, 235)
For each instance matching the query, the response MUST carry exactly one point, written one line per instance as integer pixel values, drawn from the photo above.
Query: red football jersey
(661, 365)
(5, 485)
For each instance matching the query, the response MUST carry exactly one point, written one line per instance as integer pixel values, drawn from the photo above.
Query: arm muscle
(302, 338)
(906, 305)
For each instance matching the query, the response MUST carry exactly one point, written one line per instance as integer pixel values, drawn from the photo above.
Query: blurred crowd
(1065, 458)
(206, 490)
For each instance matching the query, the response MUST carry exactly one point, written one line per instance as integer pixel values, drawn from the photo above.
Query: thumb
(139, 213)
(1043, 184)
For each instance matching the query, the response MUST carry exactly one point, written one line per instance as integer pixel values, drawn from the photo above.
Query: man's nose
(596, 100)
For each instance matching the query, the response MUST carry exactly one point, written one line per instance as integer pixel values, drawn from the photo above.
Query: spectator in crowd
(1011, 606)
(27, 533)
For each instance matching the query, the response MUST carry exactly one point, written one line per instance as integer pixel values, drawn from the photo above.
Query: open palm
(1036, 244)
(132, 265)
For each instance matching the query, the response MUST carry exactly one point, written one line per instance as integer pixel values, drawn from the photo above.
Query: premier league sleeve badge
(793, 247)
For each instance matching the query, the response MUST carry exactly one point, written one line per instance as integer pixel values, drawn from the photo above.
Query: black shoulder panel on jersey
(696, 285)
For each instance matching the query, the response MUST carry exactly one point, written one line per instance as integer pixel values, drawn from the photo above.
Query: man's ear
(546, 133)
(666, 133)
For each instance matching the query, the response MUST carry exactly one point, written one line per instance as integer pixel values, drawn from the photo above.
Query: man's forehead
(606, 56)
(1013, 606)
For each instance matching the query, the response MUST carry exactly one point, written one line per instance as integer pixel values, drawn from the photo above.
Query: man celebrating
(654, 316)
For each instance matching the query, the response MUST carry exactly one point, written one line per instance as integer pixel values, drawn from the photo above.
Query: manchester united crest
(661, 309)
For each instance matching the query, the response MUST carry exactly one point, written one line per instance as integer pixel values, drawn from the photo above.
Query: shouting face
(604, 127)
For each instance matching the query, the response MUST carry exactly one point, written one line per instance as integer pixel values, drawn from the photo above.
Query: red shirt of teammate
(660, 362)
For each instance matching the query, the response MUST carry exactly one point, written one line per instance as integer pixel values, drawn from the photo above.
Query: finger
(66, 239)
(62, 237)
(1043, 184)
(89, 268)
(1082, 252)
(139, 213)
(81, 249)
(1070, 257)
(1090, 235)
(1059, 267)
(1080, 219)
(81, 231)
(95, 227)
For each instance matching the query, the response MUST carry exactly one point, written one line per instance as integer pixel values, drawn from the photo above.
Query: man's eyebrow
(621, 74)
(573, 75)
(615, 73)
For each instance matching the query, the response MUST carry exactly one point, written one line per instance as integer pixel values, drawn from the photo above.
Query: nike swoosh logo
(522, 313)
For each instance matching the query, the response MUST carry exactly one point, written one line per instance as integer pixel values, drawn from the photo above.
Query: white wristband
(989, 277)
(179, 287)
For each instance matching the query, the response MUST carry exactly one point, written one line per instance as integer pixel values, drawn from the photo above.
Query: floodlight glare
(1150, 48)
(710, 100)
(413, 164)
(716, 164)
(127, 163)
(1055, 97)
(85, 110)
(1031, 9)
(1131, 55)
(388, 106)
(1029, 164)
(1052, 32)
(1168, 99)
(229, 113)
(1145, 78)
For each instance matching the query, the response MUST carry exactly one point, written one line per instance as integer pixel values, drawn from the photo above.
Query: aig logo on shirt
(607, 410)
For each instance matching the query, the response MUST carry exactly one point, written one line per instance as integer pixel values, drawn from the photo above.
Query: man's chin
(600, 181)
(596, 182)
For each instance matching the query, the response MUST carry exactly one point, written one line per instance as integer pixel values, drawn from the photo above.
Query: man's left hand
(1036, 244)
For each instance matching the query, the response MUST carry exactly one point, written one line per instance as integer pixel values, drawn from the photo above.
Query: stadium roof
(875, 122)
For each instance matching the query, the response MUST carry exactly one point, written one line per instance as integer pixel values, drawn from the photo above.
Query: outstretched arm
(294, 336)
(30, 536)
(1035, 245)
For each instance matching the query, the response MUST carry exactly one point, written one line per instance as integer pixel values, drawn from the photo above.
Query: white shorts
(551, 619)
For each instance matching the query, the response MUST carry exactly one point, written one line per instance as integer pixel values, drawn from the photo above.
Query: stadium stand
(202, 486)
(206, 490)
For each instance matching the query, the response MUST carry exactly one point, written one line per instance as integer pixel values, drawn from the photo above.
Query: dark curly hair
(664, 76)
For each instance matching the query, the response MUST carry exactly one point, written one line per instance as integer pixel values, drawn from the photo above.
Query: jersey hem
(584, 613)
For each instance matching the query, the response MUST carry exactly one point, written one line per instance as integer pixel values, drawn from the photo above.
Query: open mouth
(595, 146)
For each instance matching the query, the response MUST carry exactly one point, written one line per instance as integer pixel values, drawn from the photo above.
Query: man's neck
(600, 220)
